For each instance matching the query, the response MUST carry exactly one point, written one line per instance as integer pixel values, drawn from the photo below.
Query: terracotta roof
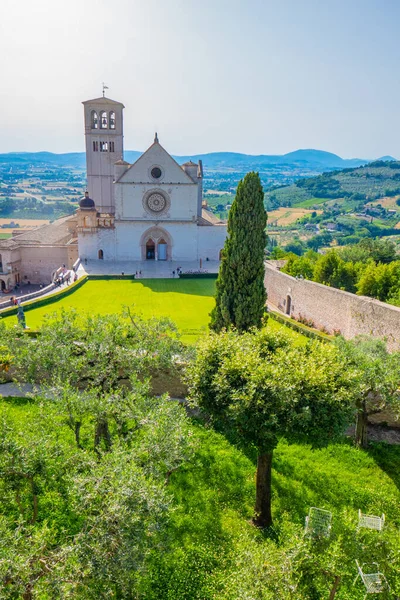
(189, 163)
(208, 219)
(121, 162)
(58, 232)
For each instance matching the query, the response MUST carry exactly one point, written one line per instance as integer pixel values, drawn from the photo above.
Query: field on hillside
(4, 236)
(187, 302)
(287, 216)
(24, 222)
(211, 551)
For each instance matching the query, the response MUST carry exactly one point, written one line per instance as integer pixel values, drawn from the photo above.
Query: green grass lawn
(187, 302)
(5, 236)
(212, 551)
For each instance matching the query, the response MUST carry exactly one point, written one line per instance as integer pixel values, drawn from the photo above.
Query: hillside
(366, 183)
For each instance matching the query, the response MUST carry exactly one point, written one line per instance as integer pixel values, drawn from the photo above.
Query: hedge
(109, 277)
(300, 328)
(37, 302)
(198, 276)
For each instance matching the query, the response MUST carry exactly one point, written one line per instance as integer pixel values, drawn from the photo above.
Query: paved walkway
(150, 269)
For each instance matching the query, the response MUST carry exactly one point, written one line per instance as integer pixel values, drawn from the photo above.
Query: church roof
(103, 100)
(190, 163)
(121, 162)
(58, 232)
(208, 219)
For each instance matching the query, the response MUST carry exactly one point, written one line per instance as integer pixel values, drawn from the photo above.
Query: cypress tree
(241, 296)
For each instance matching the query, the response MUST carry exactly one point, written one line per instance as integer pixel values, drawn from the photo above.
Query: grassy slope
(212, 543)
(187, 302)
(369, 180)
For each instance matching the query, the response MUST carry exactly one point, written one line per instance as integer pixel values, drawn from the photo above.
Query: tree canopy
(261, 387)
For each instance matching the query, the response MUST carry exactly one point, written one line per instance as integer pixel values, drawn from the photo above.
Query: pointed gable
(155, 156)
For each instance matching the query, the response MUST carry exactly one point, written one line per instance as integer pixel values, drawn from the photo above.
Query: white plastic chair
(371, 521)
(318, 522)
(375, 583)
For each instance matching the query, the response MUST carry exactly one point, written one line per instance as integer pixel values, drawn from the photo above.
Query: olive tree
(378, 380)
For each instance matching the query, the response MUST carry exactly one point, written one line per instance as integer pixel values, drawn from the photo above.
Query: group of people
(178, 271)
(64, 277)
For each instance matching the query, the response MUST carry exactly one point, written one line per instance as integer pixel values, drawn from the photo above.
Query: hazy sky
(254, 76)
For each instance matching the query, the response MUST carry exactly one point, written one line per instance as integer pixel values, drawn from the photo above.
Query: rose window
(156, 202)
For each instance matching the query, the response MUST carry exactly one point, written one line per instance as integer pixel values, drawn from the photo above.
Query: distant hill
(312, 159)
(372, 181)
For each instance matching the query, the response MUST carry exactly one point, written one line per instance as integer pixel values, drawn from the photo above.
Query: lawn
(5, 236)
(212, 550)
(187, 302)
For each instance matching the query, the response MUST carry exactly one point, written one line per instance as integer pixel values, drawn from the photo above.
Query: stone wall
(331, 309)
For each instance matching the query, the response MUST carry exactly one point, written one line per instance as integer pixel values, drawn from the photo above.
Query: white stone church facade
(150, 210)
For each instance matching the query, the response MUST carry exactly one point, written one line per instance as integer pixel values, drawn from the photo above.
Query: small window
(95, 146)
(95, 120)
(103, 120)
(103, 146)
(101, 255)
(111, 146)
(156, 172)
(112, 120)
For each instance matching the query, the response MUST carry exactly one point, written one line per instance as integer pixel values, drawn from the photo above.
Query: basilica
(150, 210)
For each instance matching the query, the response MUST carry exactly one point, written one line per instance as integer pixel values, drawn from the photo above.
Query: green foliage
(353, 269)
(79, 524)
(381, 281)
(240, 295)
(331, 269)
(259, 387)
(377, 382)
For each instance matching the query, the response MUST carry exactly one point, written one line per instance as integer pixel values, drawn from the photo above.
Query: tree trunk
(335, 587)
(361, 437)
(102, 433)
(77, 431)
(263, 516)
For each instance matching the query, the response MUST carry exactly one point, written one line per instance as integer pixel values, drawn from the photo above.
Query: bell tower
(104, 147)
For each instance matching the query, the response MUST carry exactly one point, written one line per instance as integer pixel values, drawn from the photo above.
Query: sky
(251, 76)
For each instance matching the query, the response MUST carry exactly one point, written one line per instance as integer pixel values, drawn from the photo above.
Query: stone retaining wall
(332, 310)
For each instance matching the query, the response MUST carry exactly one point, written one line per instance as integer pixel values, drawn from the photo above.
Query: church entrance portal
(150, 250)
(162, 249)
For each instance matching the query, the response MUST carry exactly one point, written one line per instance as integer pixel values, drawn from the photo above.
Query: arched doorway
(150, 250)
(288, 304)
(156, 244)
(101, 255)
(162, 249)
(2, 285)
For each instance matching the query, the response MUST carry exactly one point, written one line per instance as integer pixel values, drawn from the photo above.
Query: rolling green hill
(364, 184)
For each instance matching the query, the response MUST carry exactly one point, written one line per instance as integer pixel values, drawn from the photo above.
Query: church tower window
(112, 120)
(95, 146)
(103, 120)
(94, 120)
(103, 146)
(112, 147)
